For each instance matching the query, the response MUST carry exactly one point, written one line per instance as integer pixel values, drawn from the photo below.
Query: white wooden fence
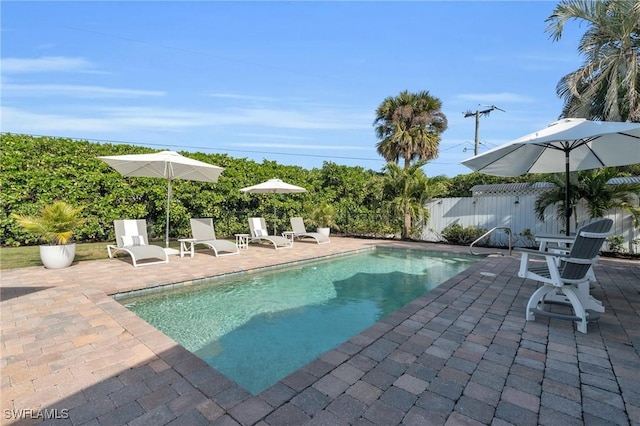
(516, 213)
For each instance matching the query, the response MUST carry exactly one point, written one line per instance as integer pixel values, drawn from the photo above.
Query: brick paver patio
(461, 354)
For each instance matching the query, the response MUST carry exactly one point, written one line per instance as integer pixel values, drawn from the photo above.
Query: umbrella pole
(166, 231)
(567, 194)
(275, 231)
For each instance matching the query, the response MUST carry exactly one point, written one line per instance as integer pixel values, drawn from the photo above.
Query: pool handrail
(507, 229)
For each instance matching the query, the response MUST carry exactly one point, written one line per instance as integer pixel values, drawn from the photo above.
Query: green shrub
(615, 243)
(456, 234)
(527, 238)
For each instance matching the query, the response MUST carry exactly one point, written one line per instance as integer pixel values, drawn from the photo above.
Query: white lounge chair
(565, 276)
(131, 238)
(203, 232)
(299, 231)
(259, 232)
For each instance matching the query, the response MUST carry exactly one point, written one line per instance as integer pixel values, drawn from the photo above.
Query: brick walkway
(461, 354)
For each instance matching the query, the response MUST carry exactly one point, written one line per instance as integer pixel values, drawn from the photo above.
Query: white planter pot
(324, 231)
(56, 257)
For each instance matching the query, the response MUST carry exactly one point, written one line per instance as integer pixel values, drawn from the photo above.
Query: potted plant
(322, 216)
(54, 227)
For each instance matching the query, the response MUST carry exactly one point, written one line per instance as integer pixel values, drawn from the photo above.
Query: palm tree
(601, 196)
(405, 192)
(557, 196)
(592, 187)
(607, 86)
(409, 127)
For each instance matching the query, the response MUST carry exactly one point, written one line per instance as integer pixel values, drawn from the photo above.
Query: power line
(224, 150)
(221, 150)
(477, 114)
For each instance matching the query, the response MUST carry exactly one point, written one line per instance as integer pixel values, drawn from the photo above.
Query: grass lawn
(21, 257)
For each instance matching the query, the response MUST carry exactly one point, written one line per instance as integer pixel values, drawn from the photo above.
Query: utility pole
(477, 113)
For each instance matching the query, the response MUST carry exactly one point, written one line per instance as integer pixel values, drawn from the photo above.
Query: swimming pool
(257, 328)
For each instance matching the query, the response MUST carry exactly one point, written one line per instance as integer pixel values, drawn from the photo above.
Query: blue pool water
(258, 328)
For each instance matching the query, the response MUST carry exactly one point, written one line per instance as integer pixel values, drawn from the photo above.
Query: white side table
(242, 241)
(289, 235)
(183, 246)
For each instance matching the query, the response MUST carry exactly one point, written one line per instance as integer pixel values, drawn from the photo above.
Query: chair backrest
(131, 228)
(258, 227)
(586, 222)
(202, 229)
(589, 240)
(297, 225)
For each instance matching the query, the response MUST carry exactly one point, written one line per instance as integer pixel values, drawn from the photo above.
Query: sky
(297, 83)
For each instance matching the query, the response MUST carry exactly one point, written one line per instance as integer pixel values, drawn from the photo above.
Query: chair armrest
(552, 260)
(539, 253)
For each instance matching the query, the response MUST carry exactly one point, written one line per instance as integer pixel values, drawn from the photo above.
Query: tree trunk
(406, 232)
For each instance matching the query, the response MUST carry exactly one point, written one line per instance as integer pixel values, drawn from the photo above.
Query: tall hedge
(36, 171)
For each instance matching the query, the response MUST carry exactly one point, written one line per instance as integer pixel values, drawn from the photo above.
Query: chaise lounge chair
(203, 232)
(565, 276)
(259, 232)
(299, 231)
(131, 238)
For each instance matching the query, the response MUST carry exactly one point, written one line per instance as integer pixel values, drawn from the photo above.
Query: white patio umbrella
(273, 186)
(165, 164)
(565, 145)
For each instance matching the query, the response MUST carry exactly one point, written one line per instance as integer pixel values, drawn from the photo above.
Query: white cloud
(102, 121)
(116, 119)
(45, 64)
(67, 90)
(289, 119)
(299, 102)
(273, 136)
(303, 146)
(154, 118)
(18, 121)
